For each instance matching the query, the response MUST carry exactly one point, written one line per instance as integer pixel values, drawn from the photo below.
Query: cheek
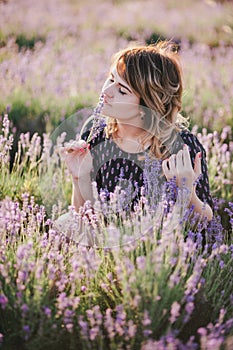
(130, 103)
(134, 99)
(133, 103)
(127, 109)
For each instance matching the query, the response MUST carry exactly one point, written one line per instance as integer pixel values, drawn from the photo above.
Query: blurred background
(55, 54)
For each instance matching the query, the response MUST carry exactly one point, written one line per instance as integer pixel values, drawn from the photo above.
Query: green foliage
(27, 114)
(140, 283)
(154, 38)
(33, 171)
(3, 39)
(39, 115)
(25, 42)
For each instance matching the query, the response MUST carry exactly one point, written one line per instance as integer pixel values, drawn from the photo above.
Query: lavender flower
(3, 301)
(27, 331)
(175, 312)
(98, 121)
(161, 270)
(229, 211)
(152, 181)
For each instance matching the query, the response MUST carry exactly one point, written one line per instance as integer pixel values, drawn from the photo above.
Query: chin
(110, 115)
(108, 112)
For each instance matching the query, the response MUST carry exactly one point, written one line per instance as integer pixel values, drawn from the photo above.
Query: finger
(82, 143)
(179, 161)
(165, 168)
(181, 169)
(172, 163)
(62, 152)
(186, 157)
(169, 172)
(197, 165)
(77, 146)
(75, 143)
(69, 144)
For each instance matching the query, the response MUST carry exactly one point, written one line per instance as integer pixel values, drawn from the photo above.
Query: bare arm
(82, 191)
(203, 209)
(78, 159)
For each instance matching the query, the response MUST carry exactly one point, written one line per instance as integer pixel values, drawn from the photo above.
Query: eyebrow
(122, 85)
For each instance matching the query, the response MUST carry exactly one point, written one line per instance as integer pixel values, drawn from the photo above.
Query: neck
(129, 130)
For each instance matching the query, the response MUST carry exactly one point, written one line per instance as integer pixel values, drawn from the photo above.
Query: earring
(142, 115)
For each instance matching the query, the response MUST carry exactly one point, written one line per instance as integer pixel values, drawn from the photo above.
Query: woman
(141, 100)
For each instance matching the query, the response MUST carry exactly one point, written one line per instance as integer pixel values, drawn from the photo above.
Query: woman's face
(120, 101)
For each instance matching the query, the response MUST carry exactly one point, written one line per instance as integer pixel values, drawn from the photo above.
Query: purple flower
(47, 311)
(26, 330)
(221, 264)
(93, 333)
(141, 262)
(83, 288)
(3, 301)
(146, 319)
(229, 211)
(132, 329)
(109, 323)
(121, 315)
(84, 327)
(189, 307)
(24, 309)
(98, 122)
(69, 327)
(175, 311)
(152, 185)
(202, 331)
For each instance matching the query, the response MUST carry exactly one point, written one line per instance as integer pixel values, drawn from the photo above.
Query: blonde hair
(154, 74)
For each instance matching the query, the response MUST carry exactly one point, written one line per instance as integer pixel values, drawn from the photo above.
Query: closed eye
(111, 79)
(122, 92)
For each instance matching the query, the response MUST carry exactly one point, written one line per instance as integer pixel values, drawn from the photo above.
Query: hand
(78, 158)
(179, 166)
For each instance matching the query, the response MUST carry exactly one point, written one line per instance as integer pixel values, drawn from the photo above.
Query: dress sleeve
(202, 188)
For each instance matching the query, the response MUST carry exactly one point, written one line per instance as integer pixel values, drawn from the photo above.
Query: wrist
(194, 198)
(191, 187)
(81, 177)
(202, 208)
(184, 195)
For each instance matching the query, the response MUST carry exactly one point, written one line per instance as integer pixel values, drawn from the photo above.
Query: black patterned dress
(112, 166)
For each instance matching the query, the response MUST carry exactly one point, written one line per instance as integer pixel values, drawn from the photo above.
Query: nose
(108, 90)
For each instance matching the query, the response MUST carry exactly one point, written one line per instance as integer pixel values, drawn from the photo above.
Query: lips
(106, 102)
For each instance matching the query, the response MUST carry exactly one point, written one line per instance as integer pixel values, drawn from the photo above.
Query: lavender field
(169, 284)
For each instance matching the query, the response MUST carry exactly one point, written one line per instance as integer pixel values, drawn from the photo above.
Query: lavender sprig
(98, 122)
